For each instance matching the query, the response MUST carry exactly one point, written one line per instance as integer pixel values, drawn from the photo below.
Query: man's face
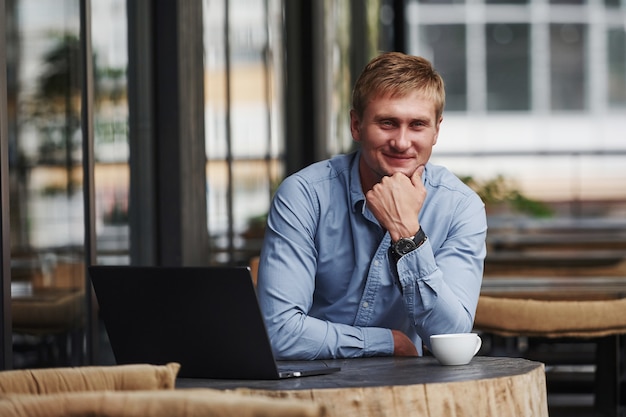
(397, 134)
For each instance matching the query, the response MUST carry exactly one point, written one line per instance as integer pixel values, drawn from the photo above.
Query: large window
(567, 66)
(243, 116)
(536, 93)
(617, 67)
(508, 66)
(446, 45)
(111, 147)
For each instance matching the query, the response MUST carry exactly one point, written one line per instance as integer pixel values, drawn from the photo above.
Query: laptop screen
(205, 318)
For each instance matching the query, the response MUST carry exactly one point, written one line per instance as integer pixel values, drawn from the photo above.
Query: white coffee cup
(455, 348)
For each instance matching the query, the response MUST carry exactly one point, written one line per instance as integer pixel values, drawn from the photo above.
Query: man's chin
(406, 171)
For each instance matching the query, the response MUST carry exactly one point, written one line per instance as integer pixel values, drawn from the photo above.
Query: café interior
(155, 132)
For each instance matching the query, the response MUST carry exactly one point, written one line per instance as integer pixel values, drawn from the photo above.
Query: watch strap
(419, 239)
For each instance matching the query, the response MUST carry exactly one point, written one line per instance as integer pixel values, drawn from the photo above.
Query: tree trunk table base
(373, 387)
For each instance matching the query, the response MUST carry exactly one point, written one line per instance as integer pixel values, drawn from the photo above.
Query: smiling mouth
(399, 157)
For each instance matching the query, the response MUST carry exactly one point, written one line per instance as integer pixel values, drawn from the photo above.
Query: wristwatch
(405, 245)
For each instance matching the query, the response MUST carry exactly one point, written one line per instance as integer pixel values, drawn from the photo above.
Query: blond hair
(396, 74)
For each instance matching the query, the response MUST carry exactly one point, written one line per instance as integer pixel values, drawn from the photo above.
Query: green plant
(499, 190)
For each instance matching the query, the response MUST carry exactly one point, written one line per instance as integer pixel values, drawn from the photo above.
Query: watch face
(405, 245)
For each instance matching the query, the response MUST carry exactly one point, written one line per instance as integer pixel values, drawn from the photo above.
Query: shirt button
(366, 304)
(376, 263)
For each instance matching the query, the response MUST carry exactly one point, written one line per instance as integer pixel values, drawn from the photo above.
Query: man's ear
(355, 126)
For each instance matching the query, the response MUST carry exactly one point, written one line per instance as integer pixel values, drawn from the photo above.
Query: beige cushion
(179, 403)
(89, 378)
(547, 318)
(129, 391)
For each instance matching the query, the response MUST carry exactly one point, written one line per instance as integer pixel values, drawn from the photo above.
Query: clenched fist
(396, 202)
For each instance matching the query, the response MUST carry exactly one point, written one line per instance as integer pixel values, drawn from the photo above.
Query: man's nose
(401, 141)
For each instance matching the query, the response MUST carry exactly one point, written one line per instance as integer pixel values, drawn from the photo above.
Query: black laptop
(206, 318)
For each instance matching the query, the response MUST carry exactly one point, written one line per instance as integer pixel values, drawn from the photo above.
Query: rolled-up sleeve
(286, 285)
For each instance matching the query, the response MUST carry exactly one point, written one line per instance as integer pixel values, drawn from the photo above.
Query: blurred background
(200, 109)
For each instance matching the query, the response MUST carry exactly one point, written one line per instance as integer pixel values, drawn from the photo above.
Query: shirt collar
(357, 198)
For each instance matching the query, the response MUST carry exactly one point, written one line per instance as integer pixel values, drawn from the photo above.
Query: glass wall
(243, 62)
(46, 170)
(243, 119)
(244, 147)
(337, 71)
(111, 147)
(245, 109)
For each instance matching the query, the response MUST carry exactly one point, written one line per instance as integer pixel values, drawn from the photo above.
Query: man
(370, 253)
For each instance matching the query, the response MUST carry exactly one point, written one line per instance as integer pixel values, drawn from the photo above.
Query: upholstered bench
(551, 318)
(129, 391)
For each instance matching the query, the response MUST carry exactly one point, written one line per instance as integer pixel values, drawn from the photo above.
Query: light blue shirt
(326, 285)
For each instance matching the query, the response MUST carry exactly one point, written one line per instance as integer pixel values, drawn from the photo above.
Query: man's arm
(286, 285)
(440, 280)
(441, 284)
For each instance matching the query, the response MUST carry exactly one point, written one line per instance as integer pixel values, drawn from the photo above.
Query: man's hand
(396, 202)
(402, 345)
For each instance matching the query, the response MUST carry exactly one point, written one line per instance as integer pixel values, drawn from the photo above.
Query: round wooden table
(389, 386)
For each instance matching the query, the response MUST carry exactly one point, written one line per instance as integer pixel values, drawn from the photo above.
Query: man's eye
(386, 123)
